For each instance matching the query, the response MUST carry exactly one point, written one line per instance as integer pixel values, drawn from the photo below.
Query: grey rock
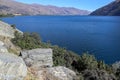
(12, 67)
(6, 30)
(3, 48)
(38, 58)
(1, 43)
(60, 73)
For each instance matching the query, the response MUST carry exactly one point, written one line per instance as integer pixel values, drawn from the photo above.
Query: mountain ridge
(14, 7)
(112, 9)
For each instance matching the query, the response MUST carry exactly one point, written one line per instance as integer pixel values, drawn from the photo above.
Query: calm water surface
(98, 35)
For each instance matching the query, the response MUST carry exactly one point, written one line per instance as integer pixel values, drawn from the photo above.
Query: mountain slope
(13, 7)
(112, 9)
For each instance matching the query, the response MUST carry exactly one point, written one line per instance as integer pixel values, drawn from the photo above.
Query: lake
(99, 35)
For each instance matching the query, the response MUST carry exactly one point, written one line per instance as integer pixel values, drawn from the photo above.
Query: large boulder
(38, 58)
(6, 30)
(12, 67)
(60, 73)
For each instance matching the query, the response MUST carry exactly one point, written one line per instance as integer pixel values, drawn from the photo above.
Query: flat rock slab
(38, 58)
(60, 73)
(12, 67)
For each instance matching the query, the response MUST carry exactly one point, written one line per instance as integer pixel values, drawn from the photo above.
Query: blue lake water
(98, 35)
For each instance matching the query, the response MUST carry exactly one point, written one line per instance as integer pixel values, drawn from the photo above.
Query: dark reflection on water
(98, 35)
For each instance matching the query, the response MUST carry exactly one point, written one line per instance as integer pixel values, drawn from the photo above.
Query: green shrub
(63, 57)
(6, 15)
(86, 61)
(27, 40)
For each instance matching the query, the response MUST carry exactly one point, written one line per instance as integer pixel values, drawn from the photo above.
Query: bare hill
(14, 7)
(112, 9)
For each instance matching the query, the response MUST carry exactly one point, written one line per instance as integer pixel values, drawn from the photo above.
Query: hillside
(14, 7)
(112, 9)
(43, 61)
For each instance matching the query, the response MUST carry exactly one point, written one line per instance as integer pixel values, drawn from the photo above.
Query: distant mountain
(112, 9)
(14, 7)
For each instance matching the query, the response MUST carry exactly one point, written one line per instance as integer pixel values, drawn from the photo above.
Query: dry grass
(32, 74)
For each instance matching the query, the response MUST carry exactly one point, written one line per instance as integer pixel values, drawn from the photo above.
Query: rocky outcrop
(6, 34)
(55, 73)
(40, 63)
(38, 58)
(60, 73)
(3, 49)
(6, 30)
(12, 67)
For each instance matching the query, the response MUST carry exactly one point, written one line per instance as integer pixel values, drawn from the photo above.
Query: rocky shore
(35, 64)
